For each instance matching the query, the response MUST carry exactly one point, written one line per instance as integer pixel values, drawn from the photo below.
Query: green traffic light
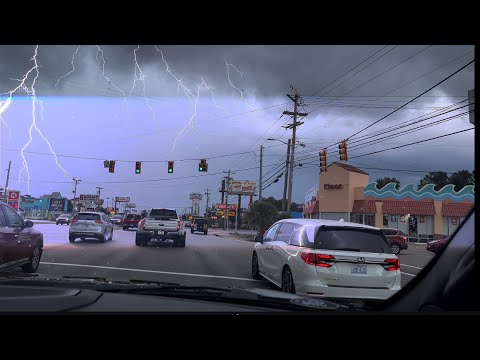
(170, 170)
(137, 171)
(201, 169)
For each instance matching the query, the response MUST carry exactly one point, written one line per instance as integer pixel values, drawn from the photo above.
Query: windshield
(87, 216)
(215, 165)
(361, 240)
(163, 214)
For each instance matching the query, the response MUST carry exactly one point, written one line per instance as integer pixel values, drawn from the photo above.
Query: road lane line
(151, 271)
(407, 273)
(415, 267)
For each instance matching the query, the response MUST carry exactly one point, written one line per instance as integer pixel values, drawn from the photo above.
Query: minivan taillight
(392, 264)
(74, 220)
(98, 221)
(321, 260)
(178, 225)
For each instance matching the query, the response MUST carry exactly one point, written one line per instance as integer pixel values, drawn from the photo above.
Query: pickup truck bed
(161, 224)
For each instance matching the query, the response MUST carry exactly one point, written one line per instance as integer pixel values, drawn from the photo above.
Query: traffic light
(170, 167)
(323, 161)
(111, 166)
(202, 165)
(138, 167)
(342, 150)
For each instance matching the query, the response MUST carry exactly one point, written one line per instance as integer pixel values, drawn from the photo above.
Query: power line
(417, 142)
(440, 82)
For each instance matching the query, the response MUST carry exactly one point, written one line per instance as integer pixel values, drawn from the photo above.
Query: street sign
(88, 197)
(122, 199)
(56, 205)
(241, 187)
(14, 196)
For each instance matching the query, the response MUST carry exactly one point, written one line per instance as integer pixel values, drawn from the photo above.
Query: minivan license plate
(359, 269)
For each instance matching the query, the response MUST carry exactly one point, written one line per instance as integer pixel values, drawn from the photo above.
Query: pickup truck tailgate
(160, 225)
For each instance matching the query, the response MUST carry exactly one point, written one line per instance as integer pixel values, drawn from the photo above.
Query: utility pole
(227, 183)
(75, 193)
(295, 98)
(261, 185)
(285, 185)
(5, 195)
(98, 201)
(208, 199)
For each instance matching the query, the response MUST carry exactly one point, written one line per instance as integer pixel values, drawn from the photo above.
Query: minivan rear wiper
(345, 249)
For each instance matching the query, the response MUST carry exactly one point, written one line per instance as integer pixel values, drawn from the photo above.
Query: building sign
(195, 196)
(56, 205)
(122, 199)
(332, 186)
(222, 206)
(454, 221)
(241, 187)
(88, 197)
(14, 196)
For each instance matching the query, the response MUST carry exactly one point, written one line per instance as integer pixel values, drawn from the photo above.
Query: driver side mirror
(259, 239)
(28, 224)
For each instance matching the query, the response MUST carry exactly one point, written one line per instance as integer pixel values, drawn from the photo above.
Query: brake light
(98, 221)
(404, 239)
(178, 225)
(321, 260)
(74, 220)
(392, 264)
(141, 224)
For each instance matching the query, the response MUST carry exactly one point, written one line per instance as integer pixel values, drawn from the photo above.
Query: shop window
(385, 220)
(370, 220)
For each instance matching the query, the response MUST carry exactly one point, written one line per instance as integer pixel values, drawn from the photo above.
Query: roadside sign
(190, 217)
(122, 199)
(13, 204)
(57, 204)
(14, 195)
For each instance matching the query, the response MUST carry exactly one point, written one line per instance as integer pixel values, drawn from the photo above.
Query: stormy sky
(183, 103)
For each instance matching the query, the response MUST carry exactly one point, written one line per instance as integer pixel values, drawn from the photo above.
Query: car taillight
(404, 239)
(98, 221)
(392, 264)
(178, 226)
(74, 220)
(321, 260)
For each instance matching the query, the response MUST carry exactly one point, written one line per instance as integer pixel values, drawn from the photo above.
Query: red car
(20, 244)
(436, 245)
(397, 240)
(131, 221)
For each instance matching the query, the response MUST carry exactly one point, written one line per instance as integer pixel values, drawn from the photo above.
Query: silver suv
(90, 225)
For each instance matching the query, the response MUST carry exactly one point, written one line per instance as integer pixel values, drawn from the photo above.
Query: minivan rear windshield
(86, 216)
(163, 214)
(351, 239)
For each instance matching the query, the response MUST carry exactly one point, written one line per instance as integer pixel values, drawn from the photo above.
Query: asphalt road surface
(207, 260)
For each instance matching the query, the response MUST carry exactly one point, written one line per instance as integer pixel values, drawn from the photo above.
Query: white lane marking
(415, 267)
(150, 271)
(407, 273)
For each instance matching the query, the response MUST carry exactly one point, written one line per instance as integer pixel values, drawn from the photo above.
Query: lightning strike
(141, 77)
(73, 67)
(33, 125)
(107, 79)
(232, 85)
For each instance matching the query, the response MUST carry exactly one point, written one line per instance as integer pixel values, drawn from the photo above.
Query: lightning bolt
(213, 99)
(232, 85)
(107, 79)
(141, 78)
(31, 92)
(73, 67)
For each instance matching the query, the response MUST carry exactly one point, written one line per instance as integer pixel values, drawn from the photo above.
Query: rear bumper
(159, 235)
(62, 221)
(130, 225)
(315, 288)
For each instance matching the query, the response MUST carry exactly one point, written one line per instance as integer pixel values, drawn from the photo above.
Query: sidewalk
(41, 221)
(241, 234)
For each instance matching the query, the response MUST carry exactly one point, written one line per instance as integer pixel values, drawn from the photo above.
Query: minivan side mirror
(28, 224)
(259, 239)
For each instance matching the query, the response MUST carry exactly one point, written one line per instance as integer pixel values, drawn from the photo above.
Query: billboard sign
(56, 205)
(241, 187)
(222, 206)
(13, 196)
(195, 196)
(88, 197)
(122, 199)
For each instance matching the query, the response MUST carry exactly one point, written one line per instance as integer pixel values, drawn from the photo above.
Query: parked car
(63, 219)
(161, 224)
(327, 258)
(131, 221)
(20, 244)
(199, 224)
(91, 225)
(117, 219)
(437, 245)
(397, 239)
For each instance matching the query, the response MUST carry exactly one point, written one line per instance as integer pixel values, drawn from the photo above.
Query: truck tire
(180, 241)
(71, 239)
(191, 231)
(140, 241)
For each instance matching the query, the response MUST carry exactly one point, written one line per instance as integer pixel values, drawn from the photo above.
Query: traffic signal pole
(5, 194)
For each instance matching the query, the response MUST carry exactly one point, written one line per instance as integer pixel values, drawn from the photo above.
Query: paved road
(208, 260)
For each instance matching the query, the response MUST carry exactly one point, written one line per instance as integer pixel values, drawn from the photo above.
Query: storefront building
(40, 208)
(345, 193)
